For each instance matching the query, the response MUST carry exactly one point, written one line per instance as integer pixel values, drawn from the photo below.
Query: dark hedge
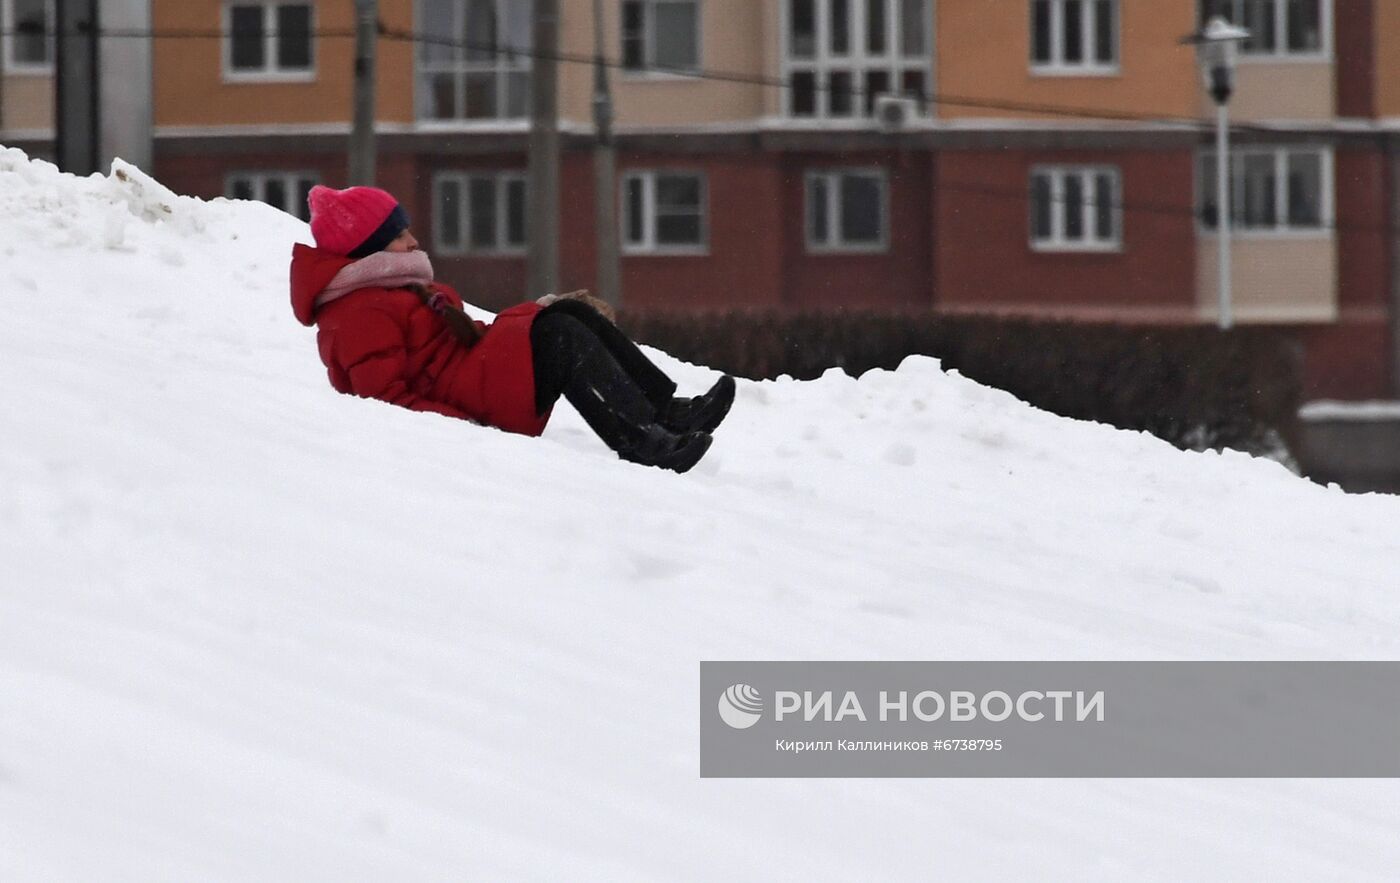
(1194, 386)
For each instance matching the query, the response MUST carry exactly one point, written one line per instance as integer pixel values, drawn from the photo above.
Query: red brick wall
(1350, 359)
(490, 281)
(984, 260)
(578, 245)
(203, 175)
(1346, 361)
(1355, 41)
(742, 266)
(1362, 271)
(900, 277)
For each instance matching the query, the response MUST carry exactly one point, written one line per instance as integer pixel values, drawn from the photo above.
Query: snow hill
(253, 629)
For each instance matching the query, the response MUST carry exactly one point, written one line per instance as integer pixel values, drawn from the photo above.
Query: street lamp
(1216, 47)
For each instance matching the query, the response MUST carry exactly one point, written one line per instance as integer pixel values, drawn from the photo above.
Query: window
(1276, 27)
(480, 70)
(268, 40)
(1074, 36)
(847, 210)
(29, 45)
(840, 55)
(479, 213)
(1271, 189)
(662, 34)
(1075, 208)
(663, 212)
(287, 191)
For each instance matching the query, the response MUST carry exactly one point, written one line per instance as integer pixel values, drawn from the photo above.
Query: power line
(934, 98)
(853, 92)
(760, 80)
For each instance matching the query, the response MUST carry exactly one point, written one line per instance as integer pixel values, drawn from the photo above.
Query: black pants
(580, 355)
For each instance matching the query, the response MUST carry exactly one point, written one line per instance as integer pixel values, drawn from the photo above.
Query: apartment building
(1045, 169)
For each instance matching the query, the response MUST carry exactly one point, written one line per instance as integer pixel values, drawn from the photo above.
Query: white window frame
(649, 245)
(833, 177)
(1281, 52)
(857, 61)
(500, 178)
(1089, 66)
(1092, 242)
(503, 65)
(258, 179)
(14, 67)
(270, 72)
(1281, 229)
(646, 72)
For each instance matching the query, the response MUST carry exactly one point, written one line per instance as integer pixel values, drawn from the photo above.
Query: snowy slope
(253, 629)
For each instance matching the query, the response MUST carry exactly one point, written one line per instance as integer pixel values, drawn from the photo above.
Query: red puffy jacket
(386, 344)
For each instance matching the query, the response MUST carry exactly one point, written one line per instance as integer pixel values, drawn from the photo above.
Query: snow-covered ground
(253, 629)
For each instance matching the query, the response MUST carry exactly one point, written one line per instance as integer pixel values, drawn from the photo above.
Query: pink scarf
(383, 269)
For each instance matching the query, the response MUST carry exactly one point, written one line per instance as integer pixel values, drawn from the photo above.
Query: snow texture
(254, 629)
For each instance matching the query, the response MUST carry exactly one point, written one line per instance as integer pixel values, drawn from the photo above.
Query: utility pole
(126, 85)
(76, 119)
(542, 221)
(362, 147)
(609, 282)
(2, 78)
(1392, 157)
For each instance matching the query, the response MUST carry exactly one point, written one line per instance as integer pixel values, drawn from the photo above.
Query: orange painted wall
(984, 51)
(190, 89)
(1387, 49)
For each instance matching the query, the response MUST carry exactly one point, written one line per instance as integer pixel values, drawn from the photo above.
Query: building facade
(1047, 166)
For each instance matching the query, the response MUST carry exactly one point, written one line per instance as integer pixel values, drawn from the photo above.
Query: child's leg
(653, 382)
(570, 360)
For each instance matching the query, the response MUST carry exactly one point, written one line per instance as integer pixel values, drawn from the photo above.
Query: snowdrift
(253, 629)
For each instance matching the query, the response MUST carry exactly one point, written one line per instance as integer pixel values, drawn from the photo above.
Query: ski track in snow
(253, 629)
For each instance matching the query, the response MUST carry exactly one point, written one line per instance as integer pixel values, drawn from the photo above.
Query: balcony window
(1272, 190)
(840, 55)
(478, 68)
(1278, 28)
(28, 43)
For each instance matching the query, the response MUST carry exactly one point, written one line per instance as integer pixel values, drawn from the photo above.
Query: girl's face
(404, 242)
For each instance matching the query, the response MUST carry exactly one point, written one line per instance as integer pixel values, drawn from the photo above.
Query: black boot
(700, 414)
(570, 359)
(666, 450)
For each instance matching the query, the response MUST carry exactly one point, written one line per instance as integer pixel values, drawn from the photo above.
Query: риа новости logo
(740, 706)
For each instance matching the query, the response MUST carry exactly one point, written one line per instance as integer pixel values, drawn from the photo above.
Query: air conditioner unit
(894, 112)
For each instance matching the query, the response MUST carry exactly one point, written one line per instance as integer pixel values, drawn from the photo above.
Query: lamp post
(1216, 47)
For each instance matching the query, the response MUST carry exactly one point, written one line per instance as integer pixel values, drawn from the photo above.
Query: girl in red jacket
(387, 331)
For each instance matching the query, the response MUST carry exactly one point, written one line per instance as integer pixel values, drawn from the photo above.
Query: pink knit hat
(355, 223)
